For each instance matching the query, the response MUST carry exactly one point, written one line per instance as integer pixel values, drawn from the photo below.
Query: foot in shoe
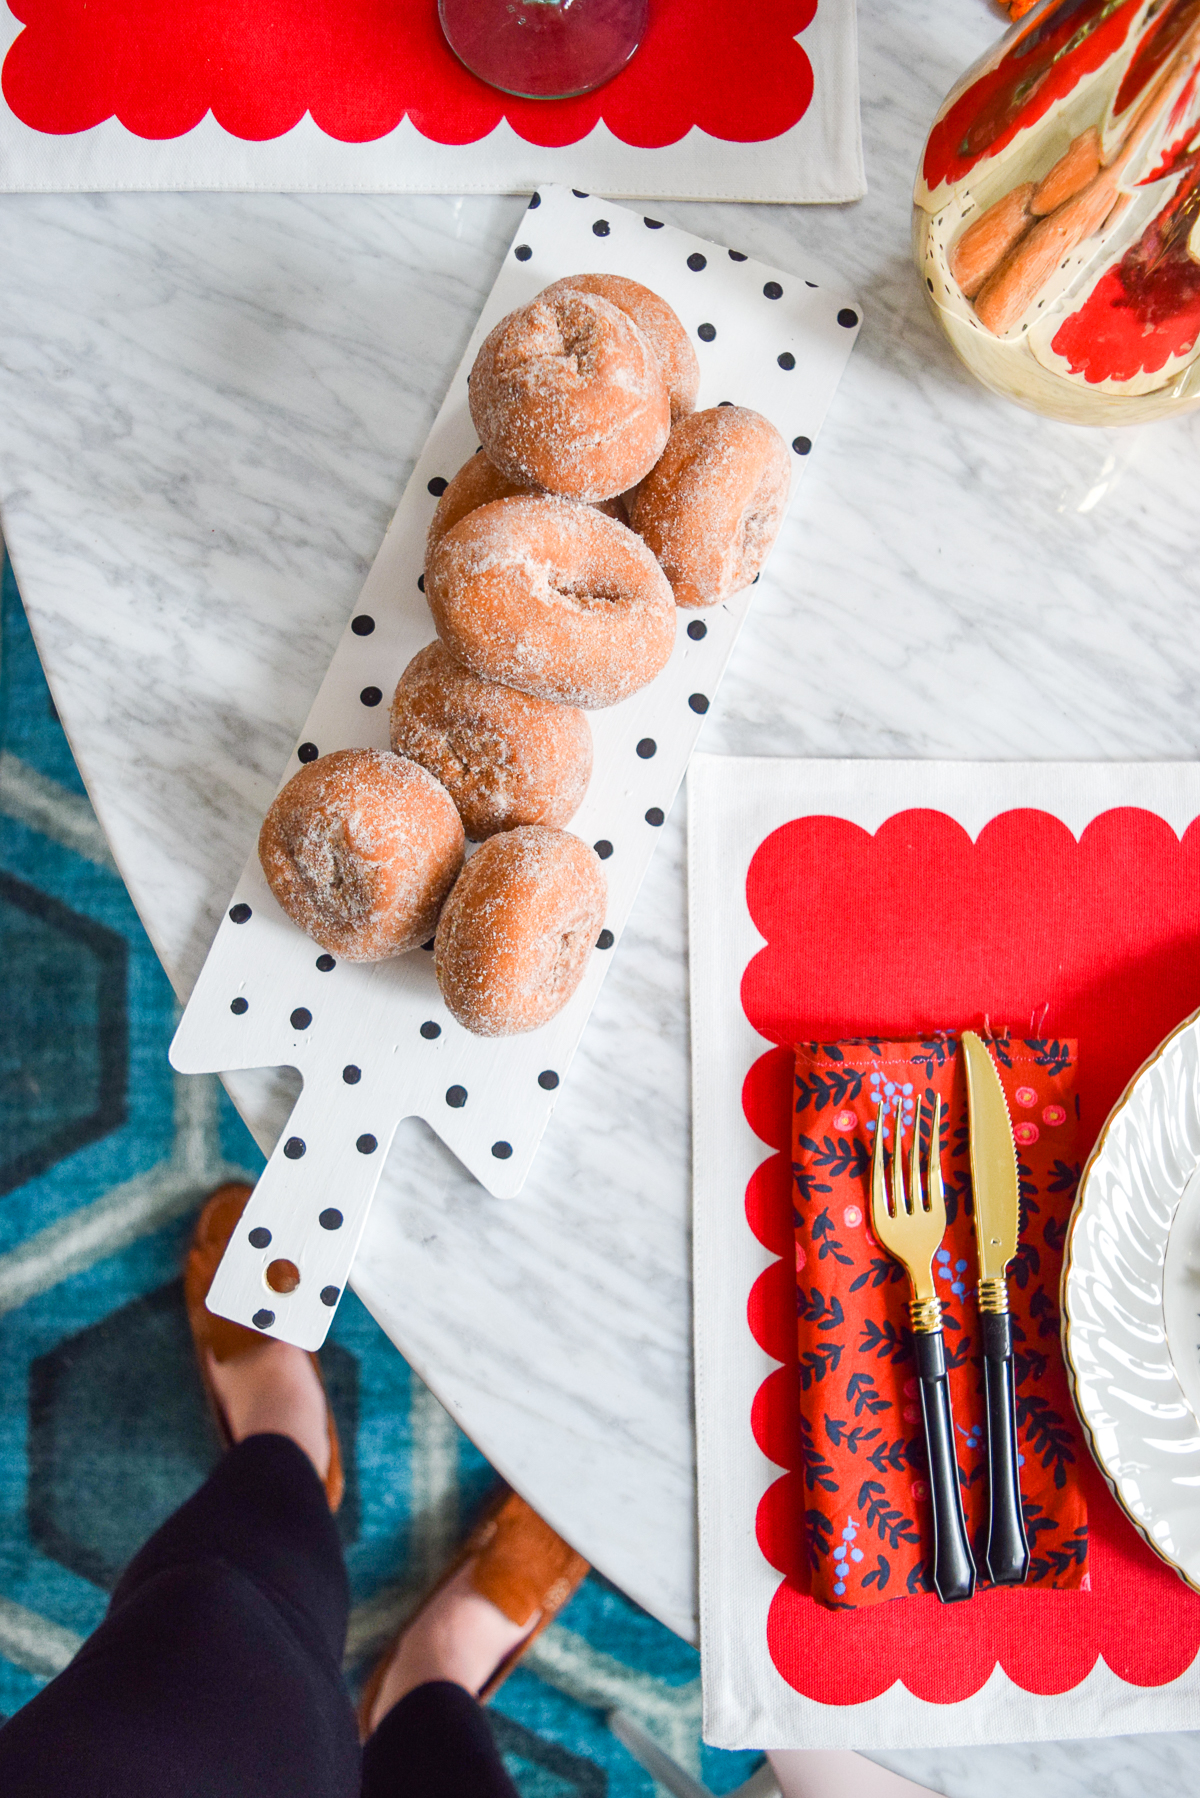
(273, 1389)
(459, 1635)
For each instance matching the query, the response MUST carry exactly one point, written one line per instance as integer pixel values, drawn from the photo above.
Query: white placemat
(733, 806)
(195, 120)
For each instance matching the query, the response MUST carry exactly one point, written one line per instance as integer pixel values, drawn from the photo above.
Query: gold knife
(997, 1228)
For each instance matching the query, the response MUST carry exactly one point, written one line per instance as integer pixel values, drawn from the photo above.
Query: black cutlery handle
(953, 1567)
(1007, 1555)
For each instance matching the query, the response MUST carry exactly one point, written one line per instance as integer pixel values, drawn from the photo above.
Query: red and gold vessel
(1057, 211)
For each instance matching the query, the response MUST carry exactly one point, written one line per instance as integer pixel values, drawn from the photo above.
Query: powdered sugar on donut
(360, 849)
(515, 935)
(554, 599)
(567, 395)
(712, 507)
(505, 758)
(657, 322)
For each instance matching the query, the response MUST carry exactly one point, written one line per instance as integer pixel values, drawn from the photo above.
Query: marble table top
(209, 405)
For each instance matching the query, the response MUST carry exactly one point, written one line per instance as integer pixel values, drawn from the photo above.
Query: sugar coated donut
(568, 395)
(657, 322)
(515, 935)
(476, 484)
(553, 599)
(360, 849)
(712, 507)
(504, 757)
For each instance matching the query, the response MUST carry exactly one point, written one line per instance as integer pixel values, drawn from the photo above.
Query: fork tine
(879, 1204)
(915, 1190)
(937, 1192)
(901, 1200)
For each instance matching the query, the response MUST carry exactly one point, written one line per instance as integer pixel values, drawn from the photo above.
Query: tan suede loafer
(520, 1565)
(215, 1225)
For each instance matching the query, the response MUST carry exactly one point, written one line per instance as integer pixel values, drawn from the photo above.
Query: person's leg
(435, 1743)
(429, 1735)
(217, 1670)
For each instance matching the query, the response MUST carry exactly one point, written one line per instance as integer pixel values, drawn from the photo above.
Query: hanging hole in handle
(282, 1276)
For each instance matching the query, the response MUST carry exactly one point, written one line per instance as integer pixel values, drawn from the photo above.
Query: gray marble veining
(208, 408)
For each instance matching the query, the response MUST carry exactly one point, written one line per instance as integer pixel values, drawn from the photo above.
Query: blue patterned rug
(104, 1157)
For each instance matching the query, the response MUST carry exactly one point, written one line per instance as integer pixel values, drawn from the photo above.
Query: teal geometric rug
(105, 1155)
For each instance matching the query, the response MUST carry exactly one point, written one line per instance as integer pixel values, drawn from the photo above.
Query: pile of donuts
(599, 501)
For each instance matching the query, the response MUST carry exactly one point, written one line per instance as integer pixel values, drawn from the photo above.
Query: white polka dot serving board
(373, 1042)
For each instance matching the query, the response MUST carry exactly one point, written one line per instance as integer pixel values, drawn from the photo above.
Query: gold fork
(910, 1226)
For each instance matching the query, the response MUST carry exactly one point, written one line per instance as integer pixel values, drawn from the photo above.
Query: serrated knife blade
(993, 1162)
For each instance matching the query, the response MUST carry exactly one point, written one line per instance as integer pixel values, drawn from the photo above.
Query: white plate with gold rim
(1131, 1301)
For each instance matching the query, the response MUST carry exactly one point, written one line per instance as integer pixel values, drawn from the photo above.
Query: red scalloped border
(1100, 928)
(361, 66)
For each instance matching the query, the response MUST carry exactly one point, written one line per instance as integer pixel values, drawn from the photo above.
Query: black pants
(217, 1670)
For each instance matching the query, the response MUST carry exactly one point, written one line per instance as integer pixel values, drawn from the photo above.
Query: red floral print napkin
(867, 1519)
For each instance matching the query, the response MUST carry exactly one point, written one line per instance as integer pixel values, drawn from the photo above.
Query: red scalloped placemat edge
(1102, 928)
(359, 67)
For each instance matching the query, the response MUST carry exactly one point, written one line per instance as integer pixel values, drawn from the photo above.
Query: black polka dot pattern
(330, 1295)
(260, 1238)
(263, 1320)
(331, 1218)
(579, 195)
(653, 224)
(363, 625)
(601, 228)
(239, 1007)
(724, 403)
